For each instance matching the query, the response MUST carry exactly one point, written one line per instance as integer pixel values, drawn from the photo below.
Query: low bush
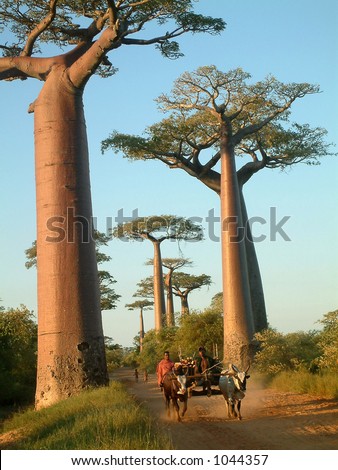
(18, 345)
(323, 384)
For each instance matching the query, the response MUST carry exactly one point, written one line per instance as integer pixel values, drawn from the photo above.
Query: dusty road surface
(271, 419)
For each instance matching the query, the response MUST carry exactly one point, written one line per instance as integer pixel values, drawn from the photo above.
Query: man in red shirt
(163, 367)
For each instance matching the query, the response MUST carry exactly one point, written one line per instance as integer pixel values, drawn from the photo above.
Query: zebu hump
(226, 385)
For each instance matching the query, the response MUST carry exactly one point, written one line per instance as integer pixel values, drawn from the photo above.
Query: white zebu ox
(232, 384)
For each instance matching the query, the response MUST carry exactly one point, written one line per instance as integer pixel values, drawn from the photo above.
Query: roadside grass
(97, 419)
(323, 385)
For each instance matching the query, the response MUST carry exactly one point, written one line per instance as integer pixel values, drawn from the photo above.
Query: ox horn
(247, 369)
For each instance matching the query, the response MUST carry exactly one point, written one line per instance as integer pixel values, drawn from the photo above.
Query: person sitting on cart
(203, 363)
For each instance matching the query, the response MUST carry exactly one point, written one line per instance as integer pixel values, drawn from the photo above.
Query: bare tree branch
(112, 12)
(39, 29)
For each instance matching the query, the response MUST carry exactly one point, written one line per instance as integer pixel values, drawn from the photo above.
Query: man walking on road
(163, 367)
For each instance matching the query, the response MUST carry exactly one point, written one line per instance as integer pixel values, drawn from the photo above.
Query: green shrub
(281, 352)
(201, 329)
(114, 357)
(154, 345)
(18, 344)
(194, 330)
(328, 341)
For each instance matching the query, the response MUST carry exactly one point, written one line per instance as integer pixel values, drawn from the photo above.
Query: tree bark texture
(159, 302)
(184, 305)
(238, 318)
(170, 299)
(255, 280)
(70, 336)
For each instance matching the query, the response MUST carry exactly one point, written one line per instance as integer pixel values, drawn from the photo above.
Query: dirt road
(271, 419)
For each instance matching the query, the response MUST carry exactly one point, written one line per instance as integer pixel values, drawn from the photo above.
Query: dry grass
(322, 385)
(105, 418)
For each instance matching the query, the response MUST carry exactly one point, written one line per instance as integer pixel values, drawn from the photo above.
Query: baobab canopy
(260, 119)
(159, 228)
(92, 29)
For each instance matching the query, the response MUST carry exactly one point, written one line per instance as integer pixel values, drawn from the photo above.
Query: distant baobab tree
(171, 264)
(156, 229)
(140, 305)
(183, 284)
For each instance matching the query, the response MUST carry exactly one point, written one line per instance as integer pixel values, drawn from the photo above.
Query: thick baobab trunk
(255, 280)
(184, 305)
(212, 181)
(71, 353)
(170, 315)
(141, 329)
(238, 319)
(159, 302)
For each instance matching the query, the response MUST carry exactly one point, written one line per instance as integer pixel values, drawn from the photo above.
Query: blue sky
(294, 40)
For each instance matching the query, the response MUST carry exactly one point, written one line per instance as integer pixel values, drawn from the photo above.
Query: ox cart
(184, 383)
(205, 383)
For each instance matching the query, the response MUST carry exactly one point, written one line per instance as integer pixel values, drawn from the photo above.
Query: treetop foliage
(81, 23)
(143, 304)
(231, 92)
(159, 228)
(172, 263)
(257, 116)
(187, 282)
(31, 255)
(145, 288)
(182, 284)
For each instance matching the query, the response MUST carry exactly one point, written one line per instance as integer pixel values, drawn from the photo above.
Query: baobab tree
(70, 337)
(184, 283)
(171, 264)
(156, 229)
(226, 113)
(140, 305)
